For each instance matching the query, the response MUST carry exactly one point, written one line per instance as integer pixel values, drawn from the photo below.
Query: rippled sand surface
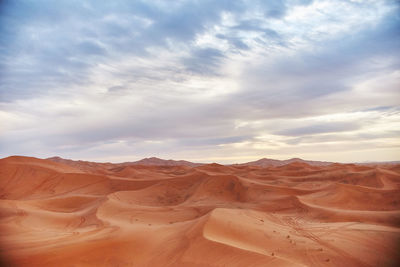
(89, 214)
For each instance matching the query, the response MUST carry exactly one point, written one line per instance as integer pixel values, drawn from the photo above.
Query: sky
(207, 81)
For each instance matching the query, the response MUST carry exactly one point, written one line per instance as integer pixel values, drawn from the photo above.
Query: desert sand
(72, 213)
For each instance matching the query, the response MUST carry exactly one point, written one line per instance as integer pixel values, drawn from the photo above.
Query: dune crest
(58, 212)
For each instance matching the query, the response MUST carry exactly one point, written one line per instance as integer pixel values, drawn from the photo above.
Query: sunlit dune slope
(57, 212)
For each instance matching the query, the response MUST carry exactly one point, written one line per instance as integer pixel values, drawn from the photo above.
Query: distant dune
(154, 212)
(274, 162)
(153, 161)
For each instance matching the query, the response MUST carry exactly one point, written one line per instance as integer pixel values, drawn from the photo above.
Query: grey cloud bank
(222, 81)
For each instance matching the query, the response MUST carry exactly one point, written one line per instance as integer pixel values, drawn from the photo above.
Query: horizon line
(205, 163)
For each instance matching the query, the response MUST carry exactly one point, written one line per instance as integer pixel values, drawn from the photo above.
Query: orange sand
(68, 213)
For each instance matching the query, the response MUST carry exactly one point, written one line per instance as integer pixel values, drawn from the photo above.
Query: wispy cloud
(200, 79)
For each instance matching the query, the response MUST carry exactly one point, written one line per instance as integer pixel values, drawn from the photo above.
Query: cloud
(320, 128)
(244, 78)
(203, 61)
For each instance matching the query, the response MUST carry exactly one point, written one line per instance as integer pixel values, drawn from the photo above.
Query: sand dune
(59, 212)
